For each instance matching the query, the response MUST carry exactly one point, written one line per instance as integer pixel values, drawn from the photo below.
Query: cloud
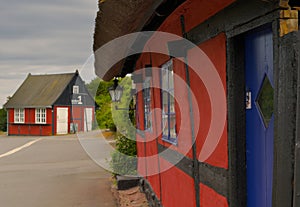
(40, 36)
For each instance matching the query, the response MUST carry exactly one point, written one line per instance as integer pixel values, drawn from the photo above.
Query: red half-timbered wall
(172, 186)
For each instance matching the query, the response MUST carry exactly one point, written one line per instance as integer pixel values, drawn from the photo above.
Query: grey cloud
(41, 36)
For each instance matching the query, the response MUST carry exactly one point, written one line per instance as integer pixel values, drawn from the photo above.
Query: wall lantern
(115, 91)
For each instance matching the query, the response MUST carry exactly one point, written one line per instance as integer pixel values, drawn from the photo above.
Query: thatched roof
(116, 18)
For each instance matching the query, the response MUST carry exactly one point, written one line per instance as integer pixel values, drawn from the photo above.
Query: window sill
(172, 141)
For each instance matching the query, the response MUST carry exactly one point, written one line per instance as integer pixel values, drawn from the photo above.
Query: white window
(19, 116)
(168, 103)
(147, 104)
(40, 116)
(75, 89)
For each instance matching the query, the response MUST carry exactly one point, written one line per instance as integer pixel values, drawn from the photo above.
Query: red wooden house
(241, 95)
(50, 105)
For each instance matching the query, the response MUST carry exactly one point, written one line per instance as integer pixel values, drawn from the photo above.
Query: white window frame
(41, 116)
(19, 115)
(75, 89)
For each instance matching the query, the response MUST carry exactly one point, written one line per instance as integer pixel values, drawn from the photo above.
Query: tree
(99, 89)
(3, 120)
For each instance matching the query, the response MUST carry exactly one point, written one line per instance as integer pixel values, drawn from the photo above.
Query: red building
(50, 105)
(226, 126)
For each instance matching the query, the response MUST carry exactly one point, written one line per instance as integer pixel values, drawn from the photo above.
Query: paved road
(50, 172)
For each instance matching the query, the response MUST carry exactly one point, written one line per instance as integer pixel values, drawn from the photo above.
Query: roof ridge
(30, 74)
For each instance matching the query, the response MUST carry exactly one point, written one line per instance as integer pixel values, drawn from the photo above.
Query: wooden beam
(288, 22)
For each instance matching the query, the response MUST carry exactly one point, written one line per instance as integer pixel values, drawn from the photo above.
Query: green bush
(124, 160)
(3, 120)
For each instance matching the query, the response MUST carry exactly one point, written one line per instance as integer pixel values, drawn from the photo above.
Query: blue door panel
(259, 136)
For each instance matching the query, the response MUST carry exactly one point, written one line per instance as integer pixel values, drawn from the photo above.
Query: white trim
(75, 89)
(19, 116)
(40, 115)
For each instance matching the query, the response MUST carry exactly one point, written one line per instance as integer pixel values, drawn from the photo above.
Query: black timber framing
(213, 177)
(145, 187)
(236, 122)
(297, 144)
(285, 121)
(235, 19)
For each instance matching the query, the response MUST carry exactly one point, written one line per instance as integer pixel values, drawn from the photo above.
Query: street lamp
(115, 91)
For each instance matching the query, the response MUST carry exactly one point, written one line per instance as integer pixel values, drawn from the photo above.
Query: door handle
(248, 100)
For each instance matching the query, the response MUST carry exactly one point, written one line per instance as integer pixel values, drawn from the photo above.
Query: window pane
(165, 126)
(164, 79)
(172, 104)
(172, 126)
(148, 124)
(40, 115)
(171, 79)
(147, 104)
(75, 89)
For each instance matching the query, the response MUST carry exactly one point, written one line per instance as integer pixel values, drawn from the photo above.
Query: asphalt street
(50, 172)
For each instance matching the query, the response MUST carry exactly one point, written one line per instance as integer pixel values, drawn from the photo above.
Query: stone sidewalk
(130, 198)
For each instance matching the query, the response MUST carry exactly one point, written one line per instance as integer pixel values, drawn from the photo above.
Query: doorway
(259, 116)
(62, 120)
(88, 119)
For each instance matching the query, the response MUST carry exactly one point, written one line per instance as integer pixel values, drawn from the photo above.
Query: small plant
(124, 160)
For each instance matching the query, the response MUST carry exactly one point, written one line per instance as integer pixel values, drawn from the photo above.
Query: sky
(44, 37)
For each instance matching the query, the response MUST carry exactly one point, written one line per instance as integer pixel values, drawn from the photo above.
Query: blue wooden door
(259, 117)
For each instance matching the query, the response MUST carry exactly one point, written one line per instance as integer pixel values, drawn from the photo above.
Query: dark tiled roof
(39, 91)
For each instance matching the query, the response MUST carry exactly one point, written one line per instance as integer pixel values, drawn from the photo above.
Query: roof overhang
(117, 18)
(26, 107)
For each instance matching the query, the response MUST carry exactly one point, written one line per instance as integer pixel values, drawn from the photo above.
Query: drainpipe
(53, 120)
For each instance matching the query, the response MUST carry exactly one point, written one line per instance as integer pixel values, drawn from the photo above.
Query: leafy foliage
(123, 117)
(98, 89)
(3, 120)
(124, 158)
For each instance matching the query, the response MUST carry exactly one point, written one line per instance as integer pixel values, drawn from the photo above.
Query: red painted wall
(209, 197)
(215, 49)
(177, 187)
(78, 116)
(30, 127)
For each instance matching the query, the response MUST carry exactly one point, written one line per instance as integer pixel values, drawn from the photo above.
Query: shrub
(124, 160)
(3, 120)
